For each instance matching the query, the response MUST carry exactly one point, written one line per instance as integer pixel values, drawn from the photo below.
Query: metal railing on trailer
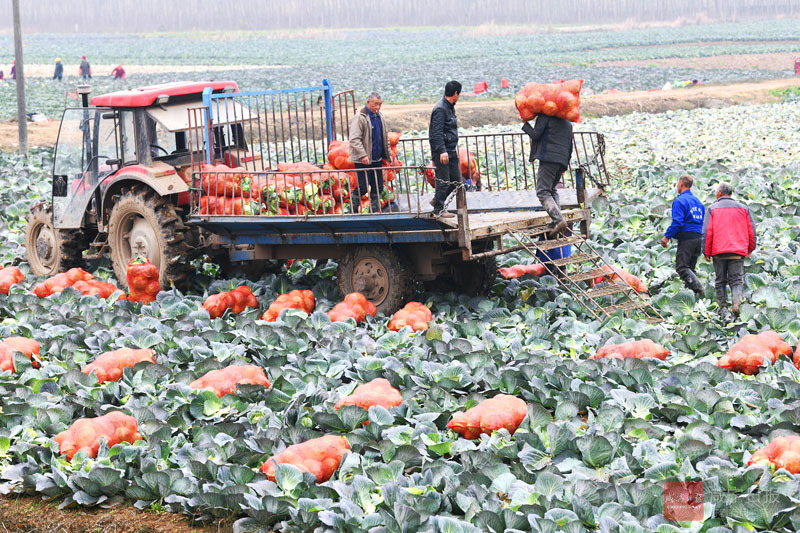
(260, 129)
(263, 133)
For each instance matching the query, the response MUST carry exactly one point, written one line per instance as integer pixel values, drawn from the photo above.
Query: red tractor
(121, 175)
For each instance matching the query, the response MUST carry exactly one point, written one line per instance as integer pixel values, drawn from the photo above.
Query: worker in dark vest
(687, 229)
(551, 144)
(443, 139)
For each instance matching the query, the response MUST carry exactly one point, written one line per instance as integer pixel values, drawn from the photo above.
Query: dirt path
(30, 514)
(772, 61)
(480, 113)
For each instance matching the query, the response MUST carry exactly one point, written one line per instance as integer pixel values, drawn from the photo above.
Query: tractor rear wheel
(49, 250)
(377, 272)
(144, 224)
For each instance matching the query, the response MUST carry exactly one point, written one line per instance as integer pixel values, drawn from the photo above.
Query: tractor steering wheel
(160, 148)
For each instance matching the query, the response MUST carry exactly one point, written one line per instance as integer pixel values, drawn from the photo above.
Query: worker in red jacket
(729, 235)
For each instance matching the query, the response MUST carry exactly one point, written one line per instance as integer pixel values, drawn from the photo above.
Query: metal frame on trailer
(284, 107)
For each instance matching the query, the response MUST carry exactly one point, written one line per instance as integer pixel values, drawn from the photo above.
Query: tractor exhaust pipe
(84, 91)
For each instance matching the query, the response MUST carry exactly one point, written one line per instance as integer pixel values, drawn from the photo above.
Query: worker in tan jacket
(369, 146)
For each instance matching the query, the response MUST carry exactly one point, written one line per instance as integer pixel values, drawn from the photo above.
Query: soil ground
(29, 514)
(773, 61)
(699, 44)
(474, 113)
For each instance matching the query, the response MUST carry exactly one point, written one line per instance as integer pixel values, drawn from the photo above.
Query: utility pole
(22, 118)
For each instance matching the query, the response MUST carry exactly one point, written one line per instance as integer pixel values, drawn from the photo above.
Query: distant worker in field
(58, 73)
(729, 235)
(2, 75)
(118, 72)
(14, 71)
(443, 134)
(551, 144)
(687, 229)
(85, 68)
(369, 146)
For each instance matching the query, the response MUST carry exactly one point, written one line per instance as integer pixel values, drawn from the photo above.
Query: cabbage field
(602, 439)
(404, 65)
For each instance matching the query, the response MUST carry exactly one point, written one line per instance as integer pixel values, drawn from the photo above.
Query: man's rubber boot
(722, 302)
(694, 283)
(736, 298)
(558, 229)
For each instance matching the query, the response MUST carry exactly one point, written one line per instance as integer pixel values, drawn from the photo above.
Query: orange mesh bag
(339, 155)
(225, 380)
(320, 457)
(243, 298)
(747, 355)
(10, 345)
(414, 314)
(9, 276)
(430, 174)
(296, 299)
(236, 300)
(469, 166)
(109, 365)
(517, 271)
(555, 99)
(619, 275)
(377, 392)
(85, 434)
(355, 306)
(502, 411)
(783, 452)
(221, 180)
(389, 174)
(302, 166)
(59, 282)
(143, 284)
(797, 356)
(95, 287)
(636, 349)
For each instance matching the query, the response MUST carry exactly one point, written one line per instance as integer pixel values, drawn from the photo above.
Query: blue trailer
(381, 254)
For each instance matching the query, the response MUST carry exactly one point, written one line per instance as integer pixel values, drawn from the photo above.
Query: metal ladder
(583, 265)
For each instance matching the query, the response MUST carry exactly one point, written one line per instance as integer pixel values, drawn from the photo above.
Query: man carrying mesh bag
(551, 144)
(554, 106)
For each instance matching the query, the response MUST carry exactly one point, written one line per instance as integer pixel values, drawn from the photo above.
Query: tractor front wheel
(143, 224)
(50, 250)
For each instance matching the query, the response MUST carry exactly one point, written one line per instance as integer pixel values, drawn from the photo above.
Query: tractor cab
(133, 141)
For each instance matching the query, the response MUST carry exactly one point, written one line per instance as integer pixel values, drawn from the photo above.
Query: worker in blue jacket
(687, 229)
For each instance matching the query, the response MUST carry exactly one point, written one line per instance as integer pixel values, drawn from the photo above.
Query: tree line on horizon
(98, 16)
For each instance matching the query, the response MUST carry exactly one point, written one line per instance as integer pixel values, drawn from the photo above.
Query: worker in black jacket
(443, 134)
(551, 144)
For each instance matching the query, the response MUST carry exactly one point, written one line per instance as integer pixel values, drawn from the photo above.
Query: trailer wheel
(377, 272)
(144, 224)
(49, 250)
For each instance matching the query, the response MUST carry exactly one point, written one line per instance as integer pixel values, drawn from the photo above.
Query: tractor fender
(161, 178)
